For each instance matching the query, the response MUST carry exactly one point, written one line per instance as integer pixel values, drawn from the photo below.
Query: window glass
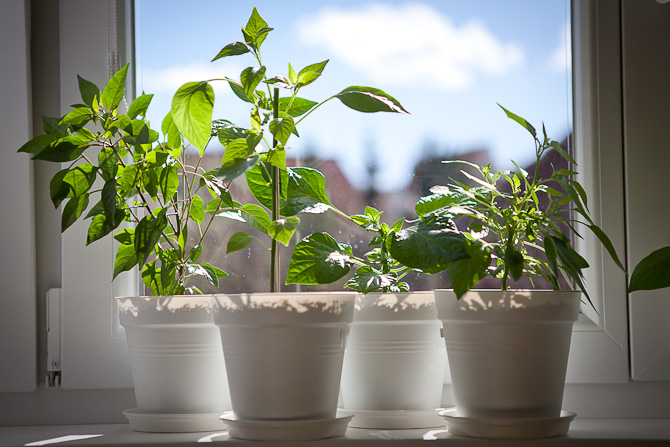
(447, 62)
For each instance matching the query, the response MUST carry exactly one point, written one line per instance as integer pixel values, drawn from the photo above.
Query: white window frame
(93, 346)
(647, 143)
(599, 351)
(600, 342)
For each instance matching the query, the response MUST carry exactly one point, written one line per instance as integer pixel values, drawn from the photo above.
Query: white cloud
(169, 79)
(560, 59)
(410, 43)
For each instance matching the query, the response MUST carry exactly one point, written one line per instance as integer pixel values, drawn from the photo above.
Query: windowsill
(583, 432)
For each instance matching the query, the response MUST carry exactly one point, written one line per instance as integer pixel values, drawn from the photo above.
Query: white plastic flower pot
(508, 352)
(394, 363)
(177, 363)
(284, 354)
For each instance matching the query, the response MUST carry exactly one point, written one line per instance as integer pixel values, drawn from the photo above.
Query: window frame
(604, 336)
(93, 346)
(599, 361)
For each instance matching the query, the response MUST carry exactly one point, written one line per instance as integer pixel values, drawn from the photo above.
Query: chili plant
(507, 217)
(259, 151)
(117, 162)
(320, 259)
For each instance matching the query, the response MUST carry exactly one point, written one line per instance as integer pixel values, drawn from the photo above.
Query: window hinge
(53, 338)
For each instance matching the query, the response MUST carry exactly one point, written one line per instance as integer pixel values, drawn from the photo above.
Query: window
(617, 119)
(447, 62)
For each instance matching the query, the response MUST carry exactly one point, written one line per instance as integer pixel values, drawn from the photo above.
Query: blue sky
(447, 62)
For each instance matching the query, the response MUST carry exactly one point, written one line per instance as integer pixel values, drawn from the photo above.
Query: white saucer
(172, 423)
(396, 419)
(502, 428)
(288, 430)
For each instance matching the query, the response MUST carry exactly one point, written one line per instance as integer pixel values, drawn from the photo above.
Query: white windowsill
(583, 432)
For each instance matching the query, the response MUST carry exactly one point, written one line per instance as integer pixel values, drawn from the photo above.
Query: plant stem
(275, 284)
(313, 109)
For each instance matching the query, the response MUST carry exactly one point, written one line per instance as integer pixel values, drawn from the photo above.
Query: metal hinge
(53, 338)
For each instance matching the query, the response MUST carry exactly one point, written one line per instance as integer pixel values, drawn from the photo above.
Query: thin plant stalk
(275, 280)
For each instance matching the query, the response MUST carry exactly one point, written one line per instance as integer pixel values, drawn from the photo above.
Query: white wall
(17, 260)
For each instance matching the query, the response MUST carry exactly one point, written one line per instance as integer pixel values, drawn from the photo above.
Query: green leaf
(236, 150)
(78, 116)
(139, 133)
(299, 106)
(120, 123)
(183, 238)
(582, 193)
(369, 280)
(306, 192)
(235, 168)
(73, 210)
(52, 127)
(281, 128)
(102, 225)
(139, 106)
(256, 30)
(162, 281)
(550, 251)
(652, 272)
(282, 230)
(126, 255)
(232, 49)
(434, 202)
(292, 75)
(277, 157)
(569, 256)
(169, 128)
(319, 259)
(113, 92)
(259, 183)
(191, 112)
(64, 149)
(37, 144)
(169, 182)
(107, 162)
(209, 272)
(515, 262)
(239, 91)
(520, 120)
(431, 245)
(197, 209)
(88, 90)
(250, 78)
(572, 262)
(465, 273)
(562, 152)
(147, 234)
(238, 241)
(256, 217)
(108, 200)
(369, 99)
(278, 81)
(607, 243)
(59, 189)
(214, 272)
(229, 132)
(310, 73)
(130, 178)
(80, 178)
